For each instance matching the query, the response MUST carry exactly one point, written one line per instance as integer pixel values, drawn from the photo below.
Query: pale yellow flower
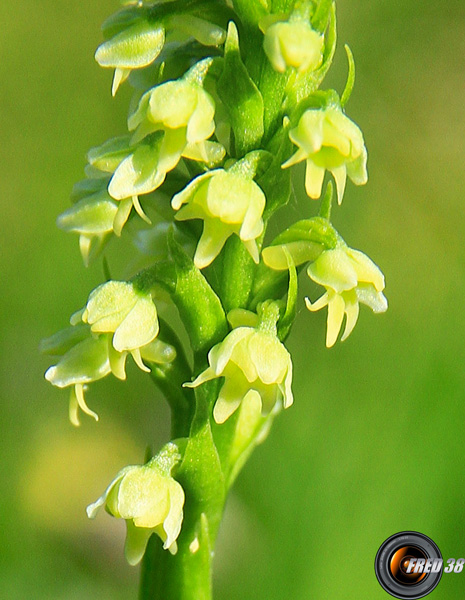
(228, 203)
(349, 277)
(255, 365)
(150, 501)
(118, 308)
(328, 140)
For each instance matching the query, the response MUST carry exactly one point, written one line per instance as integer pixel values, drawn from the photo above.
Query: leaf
(322, 15)
(237, 276)
(252, 11)
(286, 321)
(88, 187)
(123, 19)
(241, 97)
(316, 230)
(350, 77)
(276, 182)
(110, 154)
(200, 472)
(200, 308)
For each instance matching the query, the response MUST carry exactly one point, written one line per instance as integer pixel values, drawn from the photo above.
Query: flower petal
(252, 249)
(172, 104)
(308, 135)
(135, 47)
(139, 173)
(228, 401)
(201, 124)
(211, 242)
(190, 190)
(206, 375)
(117, 361)
(336, 308)
(144, 497)
(119, 77)
(221, 354)
(173, 521)
(270, 357)
(85, 362)
(139, 327)
(318, 304)
(79, 394)
(122, 215)
(314, 176)
(351, 310)
(334, 269)
(368, 295)
(109, 304)
(340, 177)
(136, 542)
(366, 270)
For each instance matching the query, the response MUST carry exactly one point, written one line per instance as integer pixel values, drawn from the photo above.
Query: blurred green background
(375, 441)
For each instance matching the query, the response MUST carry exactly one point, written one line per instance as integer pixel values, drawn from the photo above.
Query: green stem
(187, 574)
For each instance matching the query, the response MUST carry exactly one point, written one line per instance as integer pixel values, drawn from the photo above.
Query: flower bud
(328, 140)
(293, 44)
(149, 500)
(228, 203)
(349, 277)
(255, 365)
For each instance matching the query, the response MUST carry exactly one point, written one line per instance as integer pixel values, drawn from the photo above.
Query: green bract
(293, 44)
(228, 203)
(328, 140)
(149, 500)
(349, 277)
(255, 365)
